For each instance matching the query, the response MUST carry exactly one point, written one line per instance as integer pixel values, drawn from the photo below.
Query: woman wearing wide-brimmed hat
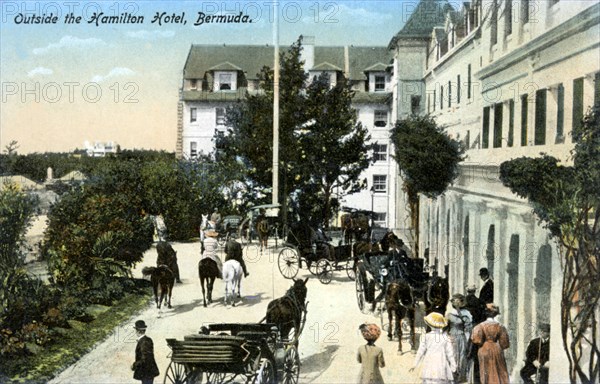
(492, 339)
(370, 355)
(460, 325)
(436, 352)
(210, 249)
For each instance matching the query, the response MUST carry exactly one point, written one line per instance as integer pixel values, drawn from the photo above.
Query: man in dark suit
(486, 295)
(233, 251)
(144, 368)
(536, 356)
(474, 305)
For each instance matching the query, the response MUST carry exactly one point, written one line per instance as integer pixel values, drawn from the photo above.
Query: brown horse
(262, 229)
(207, 271)
(355, 226)
(400, 303)
(167, 256)
(162, 278)
(287, 311)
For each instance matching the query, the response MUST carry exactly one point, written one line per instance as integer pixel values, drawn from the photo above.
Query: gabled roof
(225, 66)
(427, 15)
(378, 67)
(325, 66)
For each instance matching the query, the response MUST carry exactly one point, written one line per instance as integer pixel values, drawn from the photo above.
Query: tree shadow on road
(317, 363)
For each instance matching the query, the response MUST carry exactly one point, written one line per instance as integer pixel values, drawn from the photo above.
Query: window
(434, 99)
(511, 122)
(193, 150)
(193, 114)
(380, 152)
(498, 110)
(449, 94)
(379, 217)
(415, 104)
(577, 103)
(507, 17)
(225, 82)
(457, 89)
(560, 114)
(597, 88)
(469, 81)
(525, 11)
(524, 116)
(381, 119)
(485, 136)
(494, 23)
(441, 97)
(220, 113)
(379, 183)
(379, 83)
(540, 117)
(193, 84)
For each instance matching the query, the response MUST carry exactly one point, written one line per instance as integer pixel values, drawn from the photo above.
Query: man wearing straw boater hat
(144, 368)
(436, 352)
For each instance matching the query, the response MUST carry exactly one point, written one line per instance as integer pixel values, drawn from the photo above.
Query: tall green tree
(428, 160)
(567, 201)
(322, 147)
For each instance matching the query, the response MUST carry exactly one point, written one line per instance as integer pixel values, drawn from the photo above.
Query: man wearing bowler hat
(144, 368)
(537, 356)
(486, 295)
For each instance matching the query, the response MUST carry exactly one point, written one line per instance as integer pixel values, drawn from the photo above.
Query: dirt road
(327, 345)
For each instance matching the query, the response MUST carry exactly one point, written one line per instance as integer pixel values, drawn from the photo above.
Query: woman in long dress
(492, 339)
(459, 329)
(370, 356)
(210, 249)
(436, 352)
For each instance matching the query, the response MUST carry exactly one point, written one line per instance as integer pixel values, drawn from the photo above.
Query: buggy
(234, 353)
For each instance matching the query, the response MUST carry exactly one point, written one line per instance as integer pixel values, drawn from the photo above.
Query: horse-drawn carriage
(260, 222)
(232, 353)
(308, 247)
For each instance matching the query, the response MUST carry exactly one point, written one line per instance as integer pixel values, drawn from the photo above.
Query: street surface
(327, 346)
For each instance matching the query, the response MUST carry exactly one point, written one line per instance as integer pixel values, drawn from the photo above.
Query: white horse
(232, 275)
(203, 227)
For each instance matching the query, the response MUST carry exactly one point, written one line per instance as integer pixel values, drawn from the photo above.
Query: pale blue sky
(66, 83)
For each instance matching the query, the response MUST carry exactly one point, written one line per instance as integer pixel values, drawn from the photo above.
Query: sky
(66, 82)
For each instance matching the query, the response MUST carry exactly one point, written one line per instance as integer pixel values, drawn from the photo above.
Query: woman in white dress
(460, 325)
(436, 352)
(211, 247)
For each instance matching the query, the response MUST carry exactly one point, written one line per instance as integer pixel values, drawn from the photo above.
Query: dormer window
(193, 84)
(225, 82)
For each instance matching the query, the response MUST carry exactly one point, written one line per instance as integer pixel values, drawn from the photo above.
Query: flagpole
(276, 106)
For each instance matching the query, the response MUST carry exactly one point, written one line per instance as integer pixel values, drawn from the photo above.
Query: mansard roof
(252, 58)
(427, 15)
(249, 58)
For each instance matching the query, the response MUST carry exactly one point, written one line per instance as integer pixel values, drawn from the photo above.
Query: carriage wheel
(324, 271)
(288, 262)
(291, 366)
(177, 374)
(360, 292)
(215, 377)
(312, 265)
(351, 270)
(266, 373)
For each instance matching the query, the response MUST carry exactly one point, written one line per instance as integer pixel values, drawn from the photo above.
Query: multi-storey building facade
(216, 76)
(509, 78)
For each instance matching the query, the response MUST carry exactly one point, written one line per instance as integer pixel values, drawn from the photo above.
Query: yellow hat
(436, 320)
(212, 233)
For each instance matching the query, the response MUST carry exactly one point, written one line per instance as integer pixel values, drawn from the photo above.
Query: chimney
(308, 52)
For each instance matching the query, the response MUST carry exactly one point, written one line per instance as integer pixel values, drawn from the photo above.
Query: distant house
(100, 149)
(215, 76)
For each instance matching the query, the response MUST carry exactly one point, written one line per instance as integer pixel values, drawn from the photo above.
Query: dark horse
(287, 311)
(262, 230)
(437, 296)
(161, 277)
(209, 271)
(167, 256)
(355, 226)
(400, 304)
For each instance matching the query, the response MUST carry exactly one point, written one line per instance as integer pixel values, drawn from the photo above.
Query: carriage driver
(394, 264)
